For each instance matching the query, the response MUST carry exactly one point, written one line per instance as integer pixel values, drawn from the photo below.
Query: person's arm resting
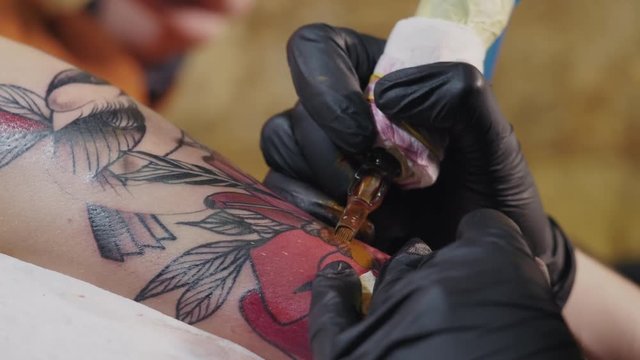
(602, 311)
(100, 188)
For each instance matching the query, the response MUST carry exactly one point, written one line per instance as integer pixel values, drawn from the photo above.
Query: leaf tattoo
(171, 171)
(234, 222)
(206, 296)
(208, 272)
(20, 101)
(190, 266)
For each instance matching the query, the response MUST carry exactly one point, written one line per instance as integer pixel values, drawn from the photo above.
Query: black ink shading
(89, 137)
(24, 120)
(119, 233)
(106, 126)
(171, 171)
(208, 272)
(235, 222)
(22, 102)
(95, 140)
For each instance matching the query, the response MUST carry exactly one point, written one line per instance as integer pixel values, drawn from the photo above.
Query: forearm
(603, 311)
(103, 189)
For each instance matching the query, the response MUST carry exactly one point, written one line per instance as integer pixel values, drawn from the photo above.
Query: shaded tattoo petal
(206, 296)
(234, 222)
(97, 140)
(17, 135)
(20, 101)
(121, 233)
(197, 264)
(24, 120)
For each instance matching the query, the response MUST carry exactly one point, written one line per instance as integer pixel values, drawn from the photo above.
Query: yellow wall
(568, 79)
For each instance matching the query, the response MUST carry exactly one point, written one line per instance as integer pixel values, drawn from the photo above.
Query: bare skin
(104, 190)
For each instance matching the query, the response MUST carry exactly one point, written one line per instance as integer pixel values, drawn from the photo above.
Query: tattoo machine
(442, 30)
(365, 195)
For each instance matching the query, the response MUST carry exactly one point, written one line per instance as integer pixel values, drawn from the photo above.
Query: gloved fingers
(331, 171)
(427, 95)
(483, 155)
(280, 149)
(330, 68)
(304, 196)
(336, 296)
(493, 227)
(506, 273)
(292, 144)
(405, 262)
(447, 96)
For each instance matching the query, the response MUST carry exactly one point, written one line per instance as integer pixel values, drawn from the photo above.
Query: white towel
(47, 315)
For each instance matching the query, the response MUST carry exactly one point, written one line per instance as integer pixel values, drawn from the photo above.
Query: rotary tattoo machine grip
(365, 195)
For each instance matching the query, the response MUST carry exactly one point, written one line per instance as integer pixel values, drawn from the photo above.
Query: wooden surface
(568, 79)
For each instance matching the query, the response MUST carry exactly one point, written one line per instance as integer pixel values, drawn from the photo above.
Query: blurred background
(568, 78)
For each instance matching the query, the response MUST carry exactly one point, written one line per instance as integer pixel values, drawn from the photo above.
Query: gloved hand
(482, 297)
(313, 148)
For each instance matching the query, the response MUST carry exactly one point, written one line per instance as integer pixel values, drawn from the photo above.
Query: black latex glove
(317, 144)
(483, 297)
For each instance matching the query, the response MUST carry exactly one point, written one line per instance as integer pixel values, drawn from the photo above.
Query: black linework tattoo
(188, 141)
(260, 231)
(208, 272)
(252, 222)
(180, 142)
(88, 135)
(98, 137)
(171, 171)
(24, 120)
(119, 234)
(235, 222)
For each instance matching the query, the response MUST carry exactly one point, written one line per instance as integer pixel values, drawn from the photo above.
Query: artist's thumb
(492, 229)
(454, 100)
(335, 307)
(437, 96)
(409, 258)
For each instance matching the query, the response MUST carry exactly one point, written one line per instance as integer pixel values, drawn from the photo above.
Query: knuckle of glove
(348, 124)
(492, 227)
(311, 33)
(466, 83)
(337, 283)
(275, 134)
(461, 93)
(430, 94)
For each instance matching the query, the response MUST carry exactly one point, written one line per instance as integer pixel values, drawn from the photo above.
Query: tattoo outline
(91, 134)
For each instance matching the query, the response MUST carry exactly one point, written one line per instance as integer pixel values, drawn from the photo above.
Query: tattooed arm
(102, 189)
